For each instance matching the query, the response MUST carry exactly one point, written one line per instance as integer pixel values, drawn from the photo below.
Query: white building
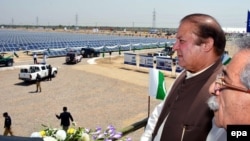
(234, 30)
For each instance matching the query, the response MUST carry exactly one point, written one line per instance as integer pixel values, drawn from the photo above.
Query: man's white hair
(213, 103)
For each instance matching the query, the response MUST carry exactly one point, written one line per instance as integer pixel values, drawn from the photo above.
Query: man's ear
(208, 45)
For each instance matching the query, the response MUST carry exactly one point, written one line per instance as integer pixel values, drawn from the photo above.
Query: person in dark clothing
(184, 115)
(65, 119)
(38, 83)
(35, 58)
(7, 125)
(50, 73)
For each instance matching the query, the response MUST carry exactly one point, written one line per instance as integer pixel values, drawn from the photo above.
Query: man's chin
(217, 121)
(180, 63)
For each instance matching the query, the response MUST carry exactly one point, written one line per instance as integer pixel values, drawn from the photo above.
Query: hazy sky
(130, 13)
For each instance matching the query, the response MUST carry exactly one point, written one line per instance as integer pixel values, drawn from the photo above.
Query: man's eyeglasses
(220, 85)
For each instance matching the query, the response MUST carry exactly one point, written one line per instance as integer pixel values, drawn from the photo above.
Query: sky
(120, 13)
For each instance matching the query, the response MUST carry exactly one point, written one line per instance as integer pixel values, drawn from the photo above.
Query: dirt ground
(97, 95)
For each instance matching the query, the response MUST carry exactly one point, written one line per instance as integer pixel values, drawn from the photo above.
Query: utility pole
(76, 26)
(12, 21)
(37, 21)
(154, 19)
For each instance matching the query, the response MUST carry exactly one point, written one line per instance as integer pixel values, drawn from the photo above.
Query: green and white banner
(156, 84)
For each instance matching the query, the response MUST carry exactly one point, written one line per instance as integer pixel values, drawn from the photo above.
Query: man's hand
(74, 123)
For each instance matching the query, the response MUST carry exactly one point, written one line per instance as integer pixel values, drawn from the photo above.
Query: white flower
(78, 134)
(61, 135)
(35, 135)
(48, 138)
(85, 137)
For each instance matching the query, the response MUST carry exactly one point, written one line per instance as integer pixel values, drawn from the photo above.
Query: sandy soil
(101, 94)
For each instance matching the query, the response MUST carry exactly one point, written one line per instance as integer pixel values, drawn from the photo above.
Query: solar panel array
(57, 43)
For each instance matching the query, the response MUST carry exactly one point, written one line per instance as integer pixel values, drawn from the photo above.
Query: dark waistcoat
(189, 118)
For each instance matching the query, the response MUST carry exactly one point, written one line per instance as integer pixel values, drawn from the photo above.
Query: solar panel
(16, 39)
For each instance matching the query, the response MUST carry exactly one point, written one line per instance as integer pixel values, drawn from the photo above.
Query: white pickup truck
(73, 57)
(29, 72)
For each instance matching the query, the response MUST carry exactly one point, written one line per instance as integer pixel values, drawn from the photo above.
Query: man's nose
(213, 90)
(176, 46)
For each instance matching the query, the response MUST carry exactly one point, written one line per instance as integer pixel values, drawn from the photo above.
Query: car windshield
(71, 54)
(157, 54)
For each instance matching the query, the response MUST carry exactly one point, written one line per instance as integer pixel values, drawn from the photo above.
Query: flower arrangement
(80, 134)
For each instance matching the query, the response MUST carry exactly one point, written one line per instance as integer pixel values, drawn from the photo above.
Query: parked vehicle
(157, 54)
(29, 72)
(73, 57)
(6, 61)
(167, 51)
(89, 52)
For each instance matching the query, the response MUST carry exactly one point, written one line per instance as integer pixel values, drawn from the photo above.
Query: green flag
(156, 84)
(226, 59)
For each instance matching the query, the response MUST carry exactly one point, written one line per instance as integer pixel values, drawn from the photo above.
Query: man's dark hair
(207, 27)
(5, 114)
(64, 108)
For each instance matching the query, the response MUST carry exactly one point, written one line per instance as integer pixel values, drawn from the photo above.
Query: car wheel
(9, 64)
(54, 74)
(92, 55)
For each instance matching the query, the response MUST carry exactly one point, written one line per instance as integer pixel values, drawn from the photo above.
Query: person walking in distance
(50, 73)
(44, 58)
(38, 83)
(7, 125)
(35, 58)
(65, 117)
